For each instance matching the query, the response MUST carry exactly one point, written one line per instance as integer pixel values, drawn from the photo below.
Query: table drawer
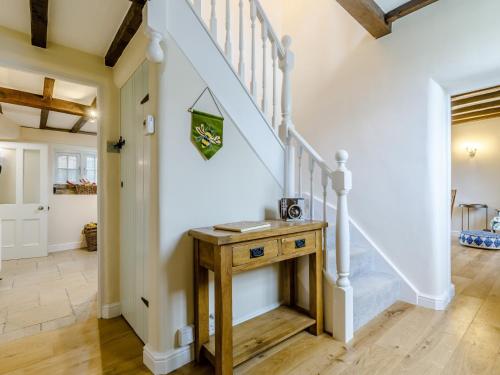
(302, 242)
(254, 251)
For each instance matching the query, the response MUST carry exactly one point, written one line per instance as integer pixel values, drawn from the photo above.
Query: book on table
(243, 226)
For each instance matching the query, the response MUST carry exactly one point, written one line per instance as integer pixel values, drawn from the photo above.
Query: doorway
(48, 203)
(475, 160)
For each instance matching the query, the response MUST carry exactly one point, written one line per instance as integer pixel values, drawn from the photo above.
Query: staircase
(253, 84)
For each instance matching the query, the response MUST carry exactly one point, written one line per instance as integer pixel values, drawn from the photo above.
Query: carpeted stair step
(373, 293)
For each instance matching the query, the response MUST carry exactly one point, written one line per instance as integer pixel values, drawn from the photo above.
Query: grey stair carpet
(373, 291)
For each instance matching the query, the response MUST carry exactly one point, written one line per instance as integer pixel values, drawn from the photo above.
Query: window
(90, 168)
(75, 166)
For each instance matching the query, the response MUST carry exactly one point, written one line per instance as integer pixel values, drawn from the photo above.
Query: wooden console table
(227, 253)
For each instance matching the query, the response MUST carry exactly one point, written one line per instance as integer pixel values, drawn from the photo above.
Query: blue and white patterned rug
(480, 239)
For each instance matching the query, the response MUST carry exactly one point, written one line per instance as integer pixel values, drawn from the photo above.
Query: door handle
(40, 208)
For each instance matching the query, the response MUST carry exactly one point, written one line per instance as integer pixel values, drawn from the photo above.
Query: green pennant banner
(206, 133)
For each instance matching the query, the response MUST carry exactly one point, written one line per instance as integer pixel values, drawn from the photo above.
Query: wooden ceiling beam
(61, 130)
(457, 122)
(456, 101)
(48, 91)
(476, 107)
(373, 18)
(127, 30)
(476, 114)
(28, 99)
(406, 9)
(82, 120)
(39, 21)
(369, 15)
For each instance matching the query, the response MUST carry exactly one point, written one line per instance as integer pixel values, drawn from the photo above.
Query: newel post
(343, 325)
(286, 64)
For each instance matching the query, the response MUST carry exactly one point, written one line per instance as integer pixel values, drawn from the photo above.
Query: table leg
(288, 284)
(201, 335)
(316, 287)
(223, 311)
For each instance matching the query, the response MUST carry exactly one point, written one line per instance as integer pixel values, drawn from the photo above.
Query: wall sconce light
(472, 150)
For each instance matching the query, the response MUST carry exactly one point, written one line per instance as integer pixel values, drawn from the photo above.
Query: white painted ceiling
(86, 25)
(388, 5)
(31, 82)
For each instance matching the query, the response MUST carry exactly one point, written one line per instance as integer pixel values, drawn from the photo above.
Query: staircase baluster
(253, 17)
(275, 85)
(343, 294)
(286, 66)
(299, 157)
(241, 65)
(311, 182)
(324, 184)
(264, 67)
(213, 20)
(197, 7)
(228, 47)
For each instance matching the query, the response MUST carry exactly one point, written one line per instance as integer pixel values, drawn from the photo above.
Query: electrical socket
(185, 335)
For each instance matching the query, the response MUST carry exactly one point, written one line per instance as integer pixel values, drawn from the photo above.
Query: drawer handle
(299, 244)
(257, 252)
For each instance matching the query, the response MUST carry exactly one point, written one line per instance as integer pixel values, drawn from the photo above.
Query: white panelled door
(133, 245)
(23, 200)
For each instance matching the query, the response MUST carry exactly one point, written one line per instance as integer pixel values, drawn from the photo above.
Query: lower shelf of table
(261, 333)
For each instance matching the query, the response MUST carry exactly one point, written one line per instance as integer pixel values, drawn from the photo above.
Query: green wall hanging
(206, 129)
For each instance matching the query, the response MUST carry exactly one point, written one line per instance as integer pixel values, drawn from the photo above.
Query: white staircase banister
(261, 15)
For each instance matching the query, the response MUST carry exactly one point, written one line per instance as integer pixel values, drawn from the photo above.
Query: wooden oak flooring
(464, 339)
(405, 339)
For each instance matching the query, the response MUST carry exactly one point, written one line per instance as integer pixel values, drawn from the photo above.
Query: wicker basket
(91, 238)
(85, 189)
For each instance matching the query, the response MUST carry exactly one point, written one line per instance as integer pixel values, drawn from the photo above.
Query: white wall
(68, 213)
(385, 101)
(477, 179)
(234, 185)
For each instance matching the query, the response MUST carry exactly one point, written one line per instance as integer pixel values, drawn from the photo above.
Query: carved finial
(286, 41)
(341, 156)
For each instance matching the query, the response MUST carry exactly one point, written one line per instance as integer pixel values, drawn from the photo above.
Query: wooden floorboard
(405, 339)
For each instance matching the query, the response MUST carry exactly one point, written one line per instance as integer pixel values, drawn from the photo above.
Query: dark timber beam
(369, 15)
(407, 8)
(82, 120)
(457, 122)
(456, 101)
(39, 20)
(476, 107)
(28, 99)
(372, 17)
(477, 114)
(127, 30)
(48, 91)
(62, 130)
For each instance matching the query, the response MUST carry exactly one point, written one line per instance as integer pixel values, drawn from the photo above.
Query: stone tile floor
(41, 294)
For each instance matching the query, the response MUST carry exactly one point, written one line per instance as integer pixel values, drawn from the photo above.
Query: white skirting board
(437, 303)
(163, 363)
(111, 310)
(65, 246)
